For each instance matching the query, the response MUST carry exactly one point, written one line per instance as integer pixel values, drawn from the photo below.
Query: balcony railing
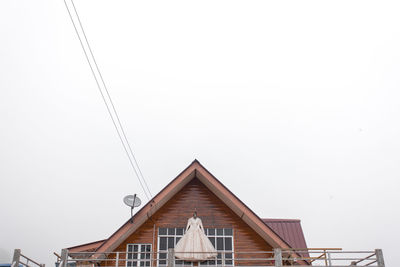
(20, 260)
(278, 258)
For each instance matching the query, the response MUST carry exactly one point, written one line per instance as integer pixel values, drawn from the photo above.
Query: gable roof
(195, 169)
(268, 230)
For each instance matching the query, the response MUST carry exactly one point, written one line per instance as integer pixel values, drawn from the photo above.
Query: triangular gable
(195, 169)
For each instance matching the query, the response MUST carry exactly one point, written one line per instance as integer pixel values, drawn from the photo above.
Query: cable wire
(111, 102)
(116, 122)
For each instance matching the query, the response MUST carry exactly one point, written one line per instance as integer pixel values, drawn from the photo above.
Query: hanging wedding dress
(194, 241)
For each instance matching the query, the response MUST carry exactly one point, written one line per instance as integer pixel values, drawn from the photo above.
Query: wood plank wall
(213, 213)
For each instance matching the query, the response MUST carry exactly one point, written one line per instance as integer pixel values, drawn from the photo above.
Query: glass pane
(220, 231)
(220, 243)
(228, 243)
(179, 262)
(179, 231)
(163, 255)
(147, 263)
(142, 263)
(134, 263)
(211, 231)
(130, 248)
(228, 231)
(134, 255)
(129, 263)
(148, 256)
(228, 259)
(212, 239)
(177, 239)
(206, 231)
(162, 231)
(171, 231)
(171, 243)
(163, 243)
(135, 248)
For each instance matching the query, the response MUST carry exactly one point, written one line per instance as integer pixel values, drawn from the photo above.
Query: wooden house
(241, 237)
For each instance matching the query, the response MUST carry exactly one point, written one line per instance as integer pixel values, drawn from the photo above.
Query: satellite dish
(132, 201)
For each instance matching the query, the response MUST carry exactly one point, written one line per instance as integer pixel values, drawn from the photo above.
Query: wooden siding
(213, 213)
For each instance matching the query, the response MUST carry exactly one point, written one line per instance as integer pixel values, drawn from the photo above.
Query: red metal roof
(289, 230)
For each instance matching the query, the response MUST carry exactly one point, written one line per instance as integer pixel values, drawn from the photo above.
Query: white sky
(293, 105)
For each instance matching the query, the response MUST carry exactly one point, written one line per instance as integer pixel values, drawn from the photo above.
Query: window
(221, 238)
(138, 255)
(167, 238)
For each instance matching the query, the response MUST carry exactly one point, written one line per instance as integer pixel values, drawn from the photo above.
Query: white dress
(194, 241)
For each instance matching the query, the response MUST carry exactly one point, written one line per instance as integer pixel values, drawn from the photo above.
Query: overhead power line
(106, 97)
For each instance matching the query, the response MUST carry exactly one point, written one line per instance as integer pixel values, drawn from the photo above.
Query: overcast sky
(293, 105)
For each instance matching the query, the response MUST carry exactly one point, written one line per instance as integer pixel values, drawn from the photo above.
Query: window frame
(139, 253)
(178, 262)
(218, 261)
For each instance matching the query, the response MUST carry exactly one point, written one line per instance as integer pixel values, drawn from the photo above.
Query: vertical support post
(329, 259)
(171, 257)
(117, 259)
(223, 258)
(153, 248)
(379, 258)
(278, 257)
(64, 258)
(16, 257)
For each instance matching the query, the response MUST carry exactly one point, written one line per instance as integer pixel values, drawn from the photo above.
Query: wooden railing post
(64, 258)
(171, 257)
(379, 258)
(16, 257)
(278, 257)
(326, 260)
